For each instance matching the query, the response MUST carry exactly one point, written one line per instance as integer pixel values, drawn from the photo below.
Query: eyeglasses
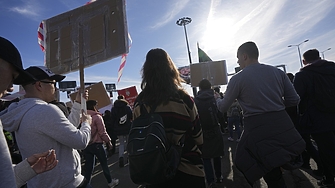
(48, 82)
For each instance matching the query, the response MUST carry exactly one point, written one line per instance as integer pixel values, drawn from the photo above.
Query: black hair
(90, 104)
(311, 55)
(204, 84)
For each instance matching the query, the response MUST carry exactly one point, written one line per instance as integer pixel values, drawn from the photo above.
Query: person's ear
(245, 56)
(38, 86)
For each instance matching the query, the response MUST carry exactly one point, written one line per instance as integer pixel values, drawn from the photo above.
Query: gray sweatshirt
(6, 174)
(259, 89)
(40, 126)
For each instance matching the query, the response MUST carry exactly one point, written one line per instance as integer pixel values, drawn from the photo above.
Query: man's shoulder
(45, 108)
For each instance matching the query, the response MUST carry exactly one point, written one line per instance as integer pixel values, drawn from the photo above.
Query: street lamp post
(183, 22)
(323, 53)
(297, 45)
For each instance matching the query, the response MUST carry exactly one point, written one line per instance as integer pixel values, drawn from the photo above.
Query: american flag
(123, 61)
(91, 1)
(41, 36)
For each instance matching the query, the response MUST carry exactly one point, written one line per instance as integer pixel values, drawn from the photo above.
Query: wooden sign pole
(81, 68)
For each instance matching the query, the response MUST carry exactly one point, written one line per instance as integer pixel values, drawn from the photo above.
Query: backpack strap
(144, 110)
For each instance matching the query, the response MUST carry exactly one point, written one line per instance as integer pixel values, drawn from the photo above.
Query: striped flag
(123, 61)
(41, 36)
(91, 1)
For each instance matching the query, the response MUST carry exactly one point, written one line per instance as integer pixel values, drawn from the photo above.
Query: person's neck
(28, 95)
(252, 62)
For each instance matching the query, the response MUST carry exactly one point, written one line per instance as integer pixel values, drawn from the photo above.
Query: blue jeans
(92, 150)
(122, 140)
(235, 120)
(209, 169)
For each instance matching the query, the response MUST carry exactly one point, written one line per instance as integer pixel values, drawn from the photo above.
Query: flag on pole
(91, 1)
(41, 36)
(123, 61)
(203, 57)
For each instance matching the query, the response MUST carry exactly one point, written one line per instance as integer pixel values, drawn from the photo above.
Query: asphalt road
(232, 177)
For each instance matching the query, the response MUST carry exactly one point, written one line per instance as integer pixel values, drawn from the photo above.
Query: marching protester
(212, 149)
(107, 117)
(122, 116)
(315, 84)
(39, 126)
(95, 147)
(162, 91)
(269, 141)
(234, 120)
(10, 69)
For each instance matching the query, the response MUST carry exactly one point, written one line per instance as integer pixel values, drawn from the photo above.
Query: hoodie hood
(120, 103)
(205, 94)
(92, 113)
(12, 116)
(321, 66)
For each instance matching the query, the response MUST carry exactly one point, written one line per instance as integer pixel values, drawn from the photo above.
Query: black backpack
(235, 111)
(324, 92)
(152, 159)
(208, 113)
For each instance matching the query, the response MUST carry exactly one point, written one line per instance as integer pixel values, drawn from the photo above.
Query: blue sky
(219, 26)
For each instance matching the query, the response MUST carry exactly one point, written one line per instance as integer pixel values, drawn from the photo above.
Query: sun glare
(219, 33)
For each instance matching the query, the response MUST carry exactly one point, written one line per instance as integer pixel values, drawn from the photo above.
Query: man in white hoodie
(11, 177)
(39, 125)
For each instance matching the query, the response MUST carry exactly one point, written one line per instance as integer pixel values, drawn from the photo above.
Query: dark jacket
(109, 124)
(269, 140)
(311, 120)
(122, 116)
(208, 115)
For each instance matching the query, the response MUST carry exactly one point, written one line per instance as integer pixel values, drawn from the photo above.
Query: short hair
(290, 76)
(217, 89)
(250, 49)
(311, 55)
(90, 104)
(120, 97)
(204, 84)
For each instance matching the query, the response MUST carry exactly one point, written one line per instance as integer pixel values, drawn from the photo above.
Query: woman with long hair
(162, 90)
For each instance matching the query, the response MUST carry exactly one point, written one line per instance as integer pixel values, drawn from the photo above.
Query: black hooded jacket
(311, 119)
(122, 116)
(208, 115)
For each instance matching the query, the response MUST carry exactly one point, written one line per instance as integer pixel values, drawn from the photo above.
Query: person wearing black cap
(11, 68)
(39, 125)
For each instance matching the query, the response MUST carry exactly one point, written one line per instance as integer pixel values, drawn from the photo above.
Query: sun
(219, 33)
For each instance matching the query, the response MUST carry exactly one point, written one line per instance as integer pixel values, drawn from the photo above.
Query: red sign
(129, 94)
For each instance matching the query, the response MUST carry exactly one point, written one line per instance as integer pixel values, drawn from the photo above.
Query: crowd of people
(279, 120)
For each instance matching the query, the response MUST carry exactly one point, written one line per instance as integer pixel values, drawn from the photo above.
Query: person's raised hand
(42, 162)
(86, 117)
(84, 95)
